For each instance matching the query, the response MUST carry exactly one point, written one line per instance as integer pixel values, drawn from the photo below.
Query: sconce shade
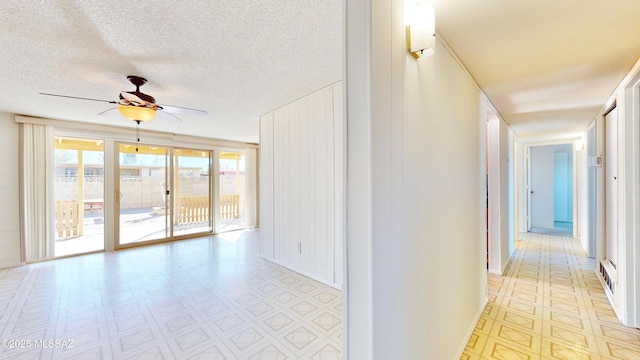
(137, 113)
(421, 31)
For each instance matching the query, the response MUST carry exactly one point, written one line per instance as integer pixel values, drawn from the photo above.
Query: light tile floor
(550, 305)
(206, 298)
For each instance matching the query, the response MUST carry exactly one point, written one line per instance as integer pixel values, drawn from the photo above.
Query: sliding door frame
(112, 135)
(170, 198)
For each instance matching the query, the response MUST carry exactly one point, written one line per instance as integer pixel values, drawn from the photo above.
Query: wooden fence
(67, 218)
(195, 208)
(191, 209)
(229, 207)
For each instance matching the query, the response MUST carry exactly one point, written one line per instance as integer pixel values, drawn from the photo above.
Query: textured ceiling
(234, 59)
(547, 65)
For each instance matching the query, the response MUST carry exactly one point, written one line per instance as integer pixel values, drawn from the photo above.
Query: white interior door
(611, 187)
(541, 189)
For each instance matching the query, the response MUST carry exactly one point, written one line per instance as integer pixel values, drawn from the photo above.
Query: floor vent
(607, 278)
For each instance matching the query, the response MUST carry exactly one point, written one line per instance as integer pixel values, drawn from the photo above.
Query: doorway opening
(551, 189)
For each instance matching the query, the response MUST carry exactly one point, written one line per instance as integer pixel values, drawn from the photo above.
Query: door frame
(525, 203)
(611, 210)
(94, 138)
(170, 198)
(120, 133)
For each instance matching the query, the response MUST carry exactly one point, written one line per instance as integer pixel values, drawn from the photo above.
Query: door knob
(532, 191)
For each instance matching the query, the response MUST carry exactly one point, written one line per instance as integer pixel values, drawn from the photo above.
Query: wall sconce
(421, 30)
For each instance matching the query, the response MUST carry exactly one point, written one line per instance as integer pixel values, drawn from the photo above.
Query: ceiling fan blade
(182, 110)
(79, 98)
(166, 116)
(109, 111)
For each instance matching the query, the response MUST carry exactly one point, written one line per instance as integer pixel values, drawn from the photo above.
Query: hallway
(550, 305)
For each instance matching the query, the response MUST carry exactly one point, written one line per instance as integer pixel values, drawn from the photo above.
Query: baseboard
(10, 264)
(503, 268)
(470, 330)
(303, 273)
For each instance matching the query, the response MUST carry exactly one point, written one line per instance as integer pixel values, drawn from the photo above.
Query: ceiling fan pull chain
(137, 134)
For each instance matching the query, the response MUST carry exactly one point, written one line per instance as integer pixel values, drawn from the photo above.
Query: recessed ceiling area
(547, 66)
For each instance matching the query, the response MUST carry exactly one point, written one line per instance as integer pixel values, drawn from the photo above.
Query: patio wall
(142, 192)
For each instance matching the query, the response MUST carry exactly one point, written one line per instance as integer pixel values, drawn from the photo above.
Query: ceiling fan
(138, 106)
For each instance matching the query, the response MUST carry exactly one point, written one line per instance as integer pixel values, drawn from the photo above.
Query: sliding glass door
(79, 195)
(162, 193)
(192, 189)
(233, 193)
(143, 194)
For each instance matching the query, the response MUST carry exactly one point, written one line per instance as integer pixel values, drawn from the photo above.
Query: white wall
(511, 191)
(522, 188)
(266, 186)
(416, 195)
(626, 99)
(583, 170)
(9, 193)
(627, 297)
(500, 180)
(302, 185)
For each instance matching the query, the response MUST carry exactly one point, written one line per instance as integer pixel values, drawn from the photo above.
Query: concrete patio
(138, 224)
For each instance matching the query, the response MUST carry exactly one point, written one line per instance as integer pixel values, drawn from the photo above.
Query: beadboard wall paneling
(302, 181)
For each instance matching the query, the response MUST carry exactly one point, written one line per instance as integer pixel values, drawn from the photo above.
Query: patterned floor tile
(303, 308)
(562, 314)
(246, 338)
(328, 352)
(502, 350)
(327, 321)
(269, 353)
(179, 300)
(259, 309)
(555, 350)
(278, 321)
(301, 337)
(229, 322)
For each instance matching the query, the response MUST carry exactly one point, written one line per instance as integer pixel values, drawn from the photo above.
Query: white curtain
(37, 192)
(251, 183)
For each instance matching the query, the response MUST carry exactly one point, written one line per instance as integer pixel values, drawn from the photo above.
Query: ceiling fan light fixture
(137, 113)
